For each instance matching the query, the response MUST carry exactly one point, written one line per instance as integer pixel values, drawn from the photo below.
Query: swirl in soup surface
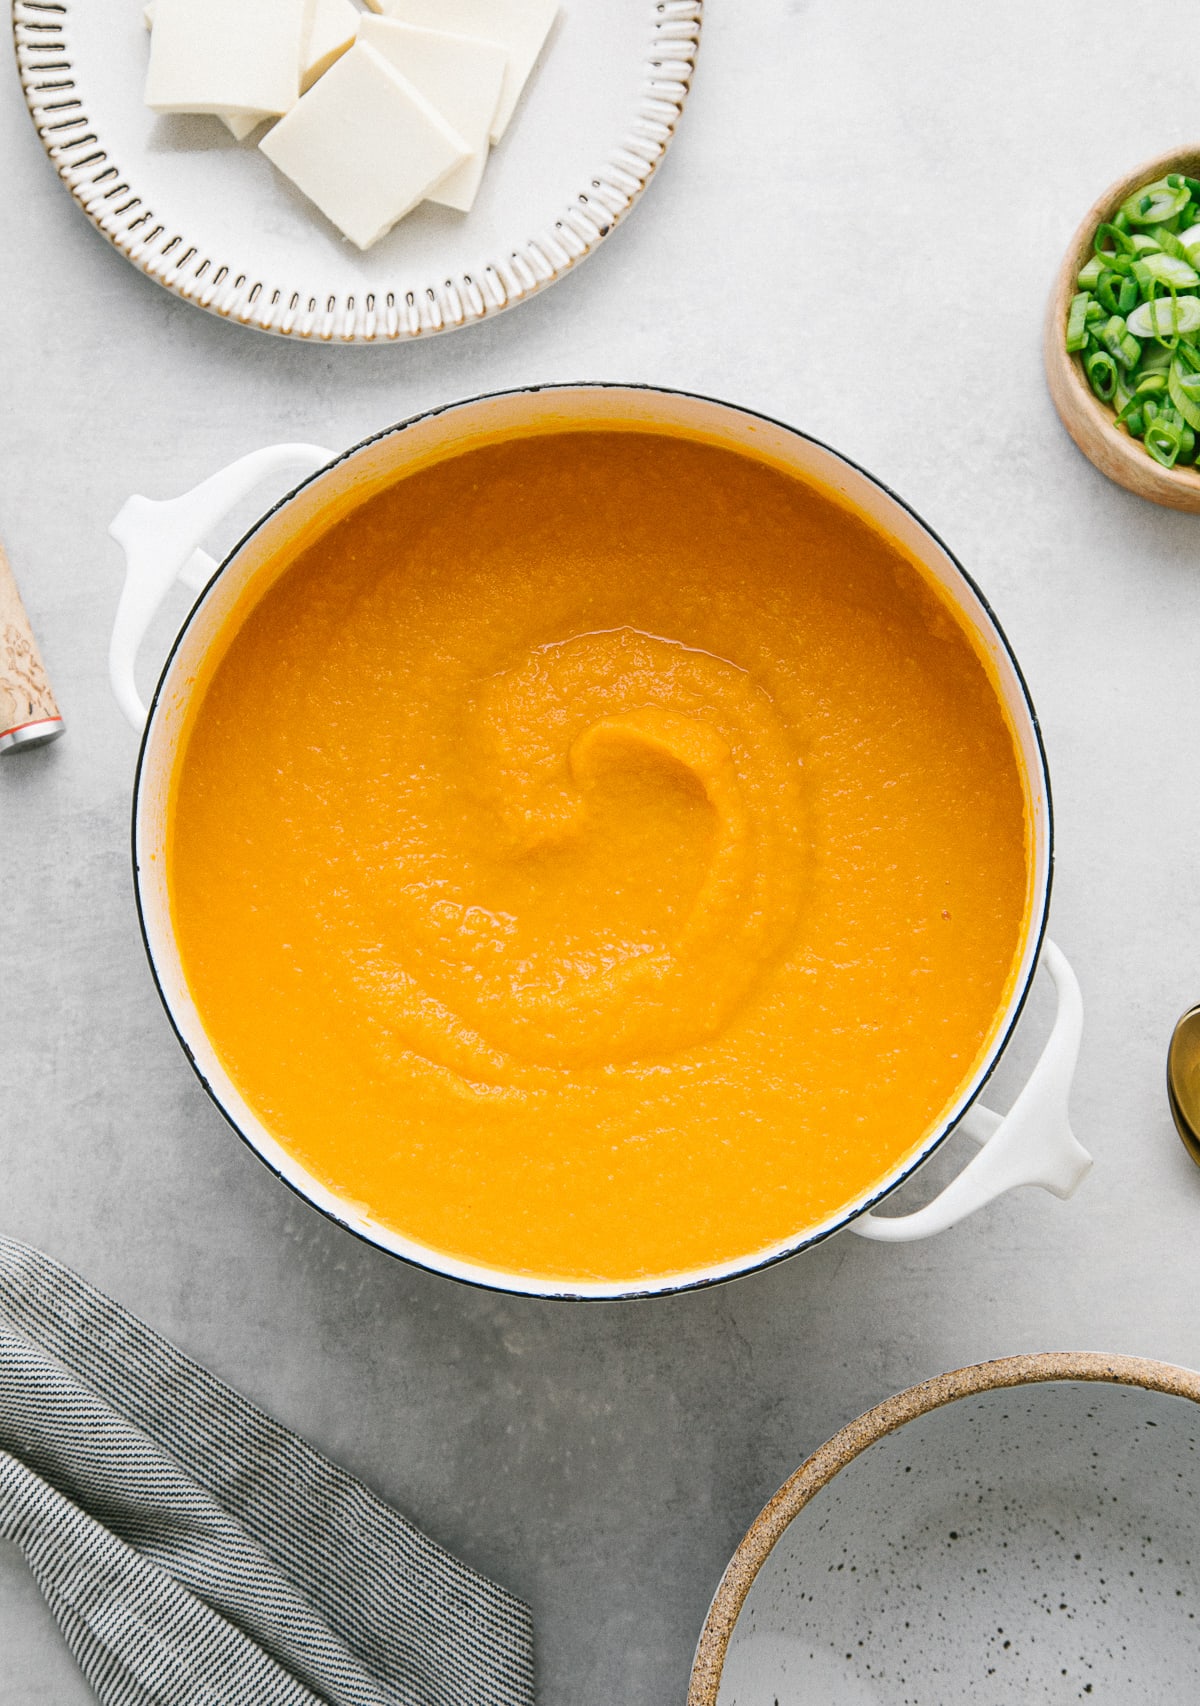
(600, 855)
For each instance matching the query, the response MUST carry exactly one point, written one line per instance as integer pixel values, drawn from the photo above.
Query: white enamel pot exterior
(1033, 1144)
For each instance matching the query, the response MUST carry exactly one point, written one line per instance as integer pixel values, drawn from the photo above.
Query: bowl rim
(850, 1441)
(1089, 421)
(492, 1279)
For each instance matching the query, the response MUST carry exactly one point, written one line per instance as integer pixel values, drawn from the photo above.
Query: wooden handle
(28, 712)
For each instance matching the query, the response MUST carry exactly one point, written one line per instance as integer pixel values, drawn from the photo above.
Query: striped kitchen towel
(195, 1553)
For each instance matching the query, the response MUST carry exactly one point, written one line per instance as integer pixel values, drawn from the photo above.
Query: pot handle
(161, 541)
(1032, 1144)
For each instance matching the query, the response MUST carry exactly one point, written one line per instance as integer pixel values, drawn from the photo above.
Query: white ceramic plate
(214, 222)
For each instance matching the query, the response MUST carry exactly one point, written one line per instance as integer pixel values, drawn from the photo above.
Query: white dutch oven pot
(1031, 1145)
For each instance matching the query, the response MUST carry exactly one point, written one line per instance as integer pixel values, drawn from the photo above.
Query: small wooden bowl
(1086, 418)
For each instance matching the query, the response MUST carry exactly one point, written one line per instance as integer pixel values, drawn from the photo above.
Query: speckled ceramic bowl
(1025, 1530)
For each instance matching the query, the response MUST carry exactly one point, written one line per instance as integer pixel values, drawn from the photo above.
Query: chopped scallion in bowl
(1134, 319)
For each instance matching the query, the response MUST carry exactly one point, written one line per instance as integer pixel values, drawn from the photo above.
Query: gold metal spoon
(1183, 1081)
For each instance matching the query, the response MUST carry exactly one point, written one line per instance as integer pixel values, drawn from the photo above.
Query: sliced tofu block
(239, 124)
(520, 27)
(226, 56)
(461, 77)
(364, 145)
(334, 27)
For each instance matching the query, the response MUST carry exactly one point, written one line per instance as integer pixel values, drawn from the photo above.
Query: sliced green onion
(1168, 242)
(1184, 390)
(1156, 358)
(1159, 201)
(1120, 345)
(1170, 440)
(1168, 270)
(1101, 370)
(1115, 236)
(1165, 316)
(1108, 290)
(1163, 442)
(1133, 322)
(1077, 321)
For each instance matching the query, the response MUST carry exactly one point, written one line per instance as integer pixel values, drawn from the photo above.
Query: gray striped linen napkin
(195, 1553)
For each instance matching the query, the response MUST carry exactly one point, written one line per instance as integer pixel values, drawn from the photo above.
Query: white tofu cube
(520, 27)
(226, 56)
(238, 124)
(461, 77)
(334, 27)
(364, 145)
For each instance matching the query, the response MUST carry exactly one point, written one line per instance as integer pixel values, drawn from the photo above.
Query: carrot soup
(600, 854)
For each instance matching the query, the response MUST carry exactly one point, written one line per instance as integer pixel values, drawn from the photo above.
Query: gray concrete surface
(856, 231)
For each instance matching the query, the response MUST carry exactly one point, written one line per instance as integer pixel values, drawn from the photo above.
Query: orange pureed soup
(600, 855)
